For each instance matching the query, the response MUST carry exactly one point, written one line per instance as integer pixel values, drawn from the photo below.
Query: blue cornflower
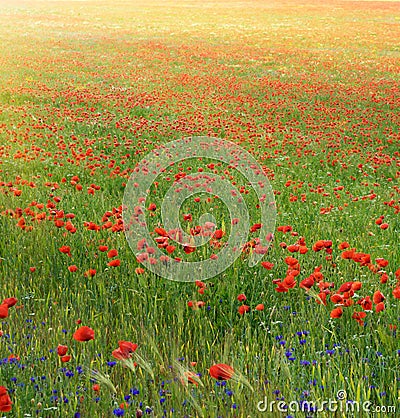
(119, 412)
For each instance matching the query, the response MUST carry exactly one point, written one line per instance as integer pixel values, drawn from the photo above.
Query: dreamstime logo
(150, 244)
(340, 404)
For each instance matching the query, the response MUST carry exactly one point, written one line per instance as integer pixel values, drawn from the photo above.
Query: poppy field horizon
(246, 151)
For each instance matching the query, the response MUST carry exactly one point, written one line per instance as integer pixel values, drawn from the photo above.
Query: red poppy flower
(125, 350)
(5, 400)
(303, 249)
(3, 310)
(384, 278)
(292, 262)
(90, 272)
(62, 350)
(190, 377)
(347, 255)
(337, 312)
(378, 297)
(345, 287)
(241, 297)
(289, 282)
(322, 298)
(285, 228)
(161, 231)
(103, 248)
(318, 246)
(84, 334)
(255, 227)
(10, 302)
(221, 371)
(281, 288)
(267, 265)
(359, 315)
(59, 223)
(170, 249)
(366, 303)
(396, 292)
(112, 253)
(243, 309)
(96, 387)
(72, 268)
(307, 283)
(218, 234)
(114, 263)
(65, 249)
(380, 307)
(127, 346)
(188, 249)
(65, 359)
(260, 307)
(356, 286)
(381, 262)
(294, 248)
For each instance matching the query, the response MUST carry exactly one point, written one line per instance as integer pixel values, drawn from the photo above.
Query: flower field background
(88, 89)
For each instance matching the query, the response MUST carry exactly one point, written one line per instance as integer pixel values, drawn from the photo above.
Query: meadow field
(92, 93)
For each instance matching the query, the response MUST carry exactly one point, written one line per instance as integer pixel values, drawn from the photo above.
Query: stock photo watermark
(340, 404)
(147, 243)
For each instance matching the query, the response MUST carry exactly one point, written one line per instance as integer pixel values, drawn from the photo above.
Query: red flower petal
(84, 334)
